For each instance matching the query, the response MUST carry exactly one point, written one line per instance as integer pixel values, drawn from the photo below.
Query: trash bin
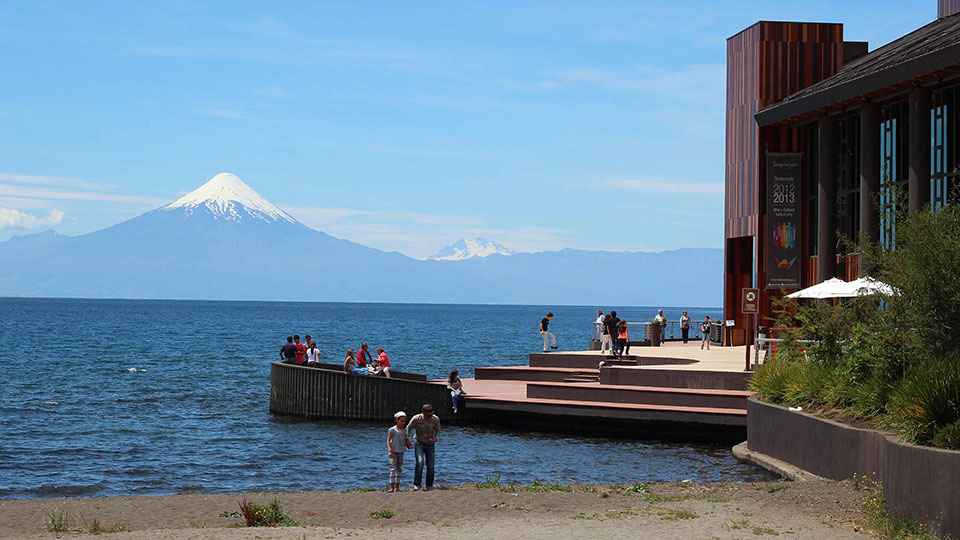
(654, 329)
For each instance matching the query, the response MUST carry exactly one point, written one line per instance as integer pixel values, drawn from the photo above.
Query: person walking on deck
(612, 323)
(705, 328)
(425, 429)
(623, 339)
(397, 443)
(546, 334)
(605, 341)
(289, 351)
(685, 326)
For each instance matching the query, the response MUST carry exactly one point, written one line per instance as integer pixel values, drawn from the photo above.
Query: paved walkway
(716, 359)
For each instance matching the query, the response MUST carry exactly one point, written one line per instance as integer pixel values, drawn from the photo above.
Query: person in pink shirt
(383, 363)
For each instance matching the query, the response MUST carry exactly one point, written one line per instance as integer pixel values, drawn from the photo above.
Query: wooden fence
(330, 394)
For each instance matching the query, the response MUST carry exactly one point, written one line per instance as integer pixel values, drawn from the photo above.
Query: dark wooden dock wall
(328, 394)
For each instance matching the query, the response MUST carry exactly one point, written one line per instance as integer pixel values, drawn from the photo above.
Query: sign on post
(750, 301)
(783, 221)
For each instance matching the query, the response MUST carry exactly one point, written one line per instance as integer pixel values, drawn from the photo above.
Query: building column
(827, 199)
(869, 174)
(919, 149)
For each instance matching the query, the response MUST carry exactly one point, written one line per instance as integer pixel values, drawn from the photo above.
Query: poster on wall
(783, 221)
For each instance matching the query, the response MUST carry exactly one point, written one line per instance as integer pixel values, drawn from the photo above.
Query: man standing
(424, 428)
(662, 323)
(612, 323)
(546, 334)
(301, 349)
(289, 351)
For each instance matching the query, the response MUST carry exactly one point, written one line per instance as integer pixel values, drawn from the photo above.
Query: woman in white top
(598, 326)
(313, 354)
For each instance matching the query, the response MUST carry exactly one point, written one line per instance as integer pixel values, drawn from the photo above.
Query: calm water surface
(117, 397)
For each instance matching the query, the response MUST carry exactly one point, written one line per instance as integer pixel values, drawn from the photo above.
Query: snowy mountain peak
(227, 197)
(466, 249)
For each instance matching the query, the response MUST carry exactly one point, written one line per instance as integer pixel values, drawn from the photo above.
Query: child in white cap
(397, 443)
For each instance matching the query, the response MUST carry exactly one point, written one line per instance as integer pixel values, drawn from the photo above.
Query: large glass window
(945, 136)
(848, 181)
(894, 169)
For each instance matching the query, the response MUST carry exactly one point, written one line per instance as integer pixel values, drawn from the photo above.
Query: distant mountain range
(224, 241)
(467, 249)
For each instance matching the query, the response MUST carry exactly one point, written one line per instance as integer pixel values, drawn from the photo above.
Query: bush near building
(893, 361)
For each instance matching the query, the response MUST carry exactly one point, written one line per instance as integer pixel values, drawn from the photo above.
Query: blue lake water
(122, 397)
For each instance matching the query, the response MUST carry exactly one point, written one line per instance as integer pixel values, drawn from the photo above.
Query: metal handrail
(671, 331)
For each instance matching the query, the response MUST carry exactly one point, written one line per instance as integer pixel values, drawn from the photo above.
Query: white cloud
(7, 190)
(15, 219)
(657, 185)
(45, 180)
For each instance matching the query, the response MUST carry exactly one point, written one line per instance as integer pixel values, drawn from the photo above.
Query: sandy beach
(806, 510)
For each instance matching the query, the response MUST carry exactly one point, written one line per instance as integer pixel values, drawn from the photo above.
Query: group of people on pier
(614, 334)
(361, 362)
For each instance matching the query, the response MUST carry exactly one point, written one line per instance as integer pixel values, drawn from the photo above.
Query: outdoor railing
(641, 331)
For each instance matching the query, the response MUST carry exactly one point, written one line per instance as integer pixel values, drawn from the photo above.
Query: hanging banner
(783, 221)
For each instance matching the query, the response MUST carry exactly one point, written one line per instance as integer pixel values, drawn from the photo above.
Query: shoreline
(661, 510)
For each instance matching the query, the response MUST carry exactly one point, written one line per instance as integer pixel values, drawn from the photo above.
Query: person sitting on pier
(456, 389)
(363, 355)
(350, 365)
(289, 351)
(382, 363)
(623, 339)
(313, 355)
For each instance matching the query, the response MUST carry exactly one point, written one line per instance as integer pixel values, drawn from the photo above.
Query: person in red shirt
(363, 355)
(383, 362)
(301, 349)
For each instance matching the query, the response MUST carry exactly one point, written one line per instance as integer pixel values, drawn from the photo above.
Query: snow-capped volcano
(226, 197)
(466, 249)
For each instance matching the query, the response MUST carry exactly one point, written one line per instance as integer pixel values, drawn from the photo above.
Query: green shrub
(383, 514)
(928, 400)
(771, 379)
(271, 515)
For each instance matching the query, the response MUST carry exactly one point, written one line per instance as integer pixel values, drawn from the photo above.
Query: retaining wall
(322, 393)
(921, 482)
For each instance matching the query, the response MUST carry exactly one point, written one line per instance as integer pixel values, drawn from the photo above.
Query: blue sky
(402, 126)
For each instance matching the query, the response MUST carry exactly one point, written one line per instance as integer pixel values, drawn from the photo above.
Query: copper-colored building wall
(765, 63)
(946, 8)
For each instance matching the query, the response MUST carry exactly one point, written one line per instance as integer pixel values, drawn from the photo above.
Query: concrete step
(592, 360)
(640, 395)
(675, 378)
(527, 373)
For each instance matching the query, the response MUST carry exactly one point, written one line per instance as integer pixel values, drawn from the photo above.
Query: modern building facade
(824, 140)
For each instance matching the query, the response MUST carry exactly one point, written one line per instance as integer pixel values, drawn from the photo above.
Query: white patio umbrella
(831, 288)
(867, 286)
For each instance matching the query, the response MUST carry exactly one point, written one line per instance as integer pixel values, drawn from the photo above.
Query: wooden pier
(672, 391)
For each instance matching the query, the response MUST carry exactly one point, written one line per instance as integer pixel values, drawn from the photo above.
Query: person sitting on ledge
(382, 363)
(363, 355)
(350, 365)
(456, 389)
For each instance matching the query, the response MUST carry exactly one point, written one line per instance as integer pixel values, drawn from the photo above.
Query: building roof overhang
(930, 50)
